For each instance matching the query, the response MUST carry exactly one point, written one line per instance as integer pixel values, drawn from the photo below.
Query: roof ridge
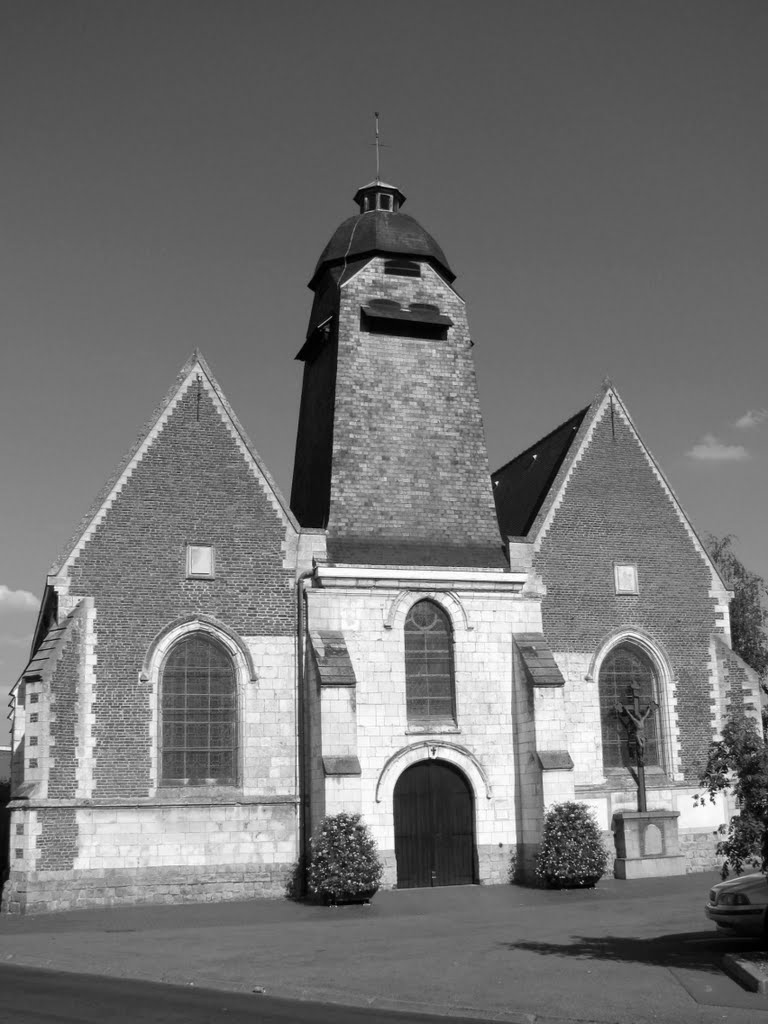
(581, 413)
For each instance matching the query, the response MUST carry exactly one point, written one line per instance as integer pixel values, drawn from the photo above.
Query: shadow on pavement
(701, 951)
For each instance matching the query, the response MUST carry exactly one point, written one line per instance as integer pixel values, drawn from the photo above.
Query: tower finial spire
(377, 144)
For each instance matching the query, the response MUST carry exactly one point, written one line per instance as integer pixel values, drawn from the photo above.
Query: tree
(738, 761)
(747, 608)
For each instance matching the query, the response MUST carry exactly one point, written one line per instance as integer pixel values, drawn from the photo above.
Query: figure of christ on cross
(634, 719)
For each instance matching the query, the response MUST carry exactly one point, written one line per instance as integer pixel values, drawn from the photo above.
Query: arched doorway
(434, 826)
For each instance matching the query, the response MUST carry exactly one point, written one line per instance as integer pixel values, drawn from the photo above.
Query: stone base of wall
(525, 865)
(495, 863)
(389, 878)
(41, 892)
(698, 848)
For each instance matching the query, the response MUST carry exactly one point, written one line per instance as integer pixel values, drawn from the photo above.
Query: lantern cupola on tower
(378, 195)
(379, 229)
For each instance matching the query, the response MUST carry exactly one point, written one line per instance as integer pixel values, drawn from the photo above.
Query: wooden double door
(434, 826)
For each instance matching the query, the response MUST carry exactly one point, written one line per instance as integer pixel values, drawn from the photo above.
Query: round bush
(344, 862)
(572, 854)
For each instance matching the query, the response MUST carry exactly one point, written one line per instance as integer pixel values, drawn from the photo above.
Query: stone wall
(698, 848)
(158, 853)
(481, 743)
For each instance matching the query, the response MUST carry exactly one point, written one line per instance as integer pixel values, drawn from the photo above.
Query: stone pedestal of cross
(633, 718)
(647, 842)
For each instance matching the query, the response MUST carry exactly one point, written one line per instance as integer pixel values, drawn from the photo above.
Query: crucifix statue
(633, 718)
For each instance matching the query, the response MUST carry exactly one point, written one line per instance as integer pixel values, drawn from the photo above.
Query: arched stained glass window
(429, 682)
(199, 714)
(623, 668)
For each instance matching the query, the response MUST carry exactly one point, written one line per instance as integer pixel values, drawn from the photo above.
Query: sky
(594, 170)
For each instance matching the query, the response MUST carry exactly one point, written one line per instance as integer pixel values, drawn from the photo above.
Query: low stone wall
(47, 891)
(698, 847)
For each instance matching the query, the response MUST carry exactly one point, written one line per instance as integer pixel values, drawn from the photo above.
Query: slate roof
(5, 762)
(380, 232)
(333, 661)
(344, 764)
(555, 760)
(520, 487)
(43, 661)
(413, 554)
(538, 660)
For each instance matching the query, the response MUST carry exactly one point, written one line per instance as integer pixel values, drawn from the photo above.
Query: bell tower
(390, 454)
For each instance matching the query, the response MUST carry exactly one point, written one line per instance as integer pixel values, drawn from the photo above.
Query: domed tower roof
(380, 228)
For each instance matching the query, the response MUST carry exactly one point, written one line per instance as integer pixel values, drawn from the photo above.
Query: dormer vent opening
(402, 268)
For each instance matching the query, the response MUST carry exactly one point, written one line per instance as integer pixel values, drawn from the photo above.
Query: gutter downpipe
(301, 721)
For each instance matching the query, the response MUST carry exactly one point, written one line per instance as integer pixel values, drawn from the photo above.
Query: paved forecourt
(636, 951)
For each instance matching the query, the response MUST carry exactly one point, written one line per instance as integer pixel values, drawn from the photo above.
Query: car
(740, 905)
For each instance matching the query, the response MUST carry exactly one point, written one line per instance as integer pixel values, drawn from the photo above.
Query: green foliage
(572, 853)
(738, 761)
(749, 616)
(344, 862)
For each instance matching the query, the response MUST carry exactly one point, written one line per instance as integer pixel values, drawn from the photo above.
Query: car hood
(754, 885)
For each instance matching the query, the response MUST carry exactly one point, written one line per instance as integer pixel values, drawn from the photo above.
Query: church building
(439, 647)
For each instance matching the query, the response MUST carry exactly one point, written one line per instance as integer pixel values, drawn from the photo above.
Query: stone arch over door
(434, 818)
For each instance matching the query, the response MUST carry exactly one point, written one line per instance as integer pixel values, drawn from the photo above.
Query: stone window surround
(191, 573)
(151, 674)
(414, 665)
(617, 572)
(669, 753)
(395, 614)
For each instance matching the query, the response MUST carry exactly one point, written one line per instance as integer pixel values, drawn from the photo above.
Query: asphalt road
(30, 996)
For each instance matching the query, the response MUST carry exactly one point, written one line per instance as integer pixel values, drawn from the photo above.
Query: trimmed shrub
(344, 862)
(572, 854)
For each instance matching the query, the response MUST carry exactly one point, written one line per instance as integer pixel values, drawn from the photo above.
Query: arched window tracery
(429, 672)
(198, 695)
(625, 667)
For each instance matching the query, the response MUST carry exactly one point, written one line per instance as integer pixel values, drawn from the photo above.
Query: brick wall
(62, 780)
(192, 486)
(57, 841)
(615, 510)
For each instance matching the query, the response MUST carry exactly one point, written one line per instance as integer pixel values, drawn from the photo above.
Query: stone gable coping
(554, 500)
(426, 268)
(195, 367)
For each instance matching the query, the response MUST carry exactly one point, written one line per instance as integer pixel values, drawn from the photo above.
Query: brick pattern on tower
(409, 481)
